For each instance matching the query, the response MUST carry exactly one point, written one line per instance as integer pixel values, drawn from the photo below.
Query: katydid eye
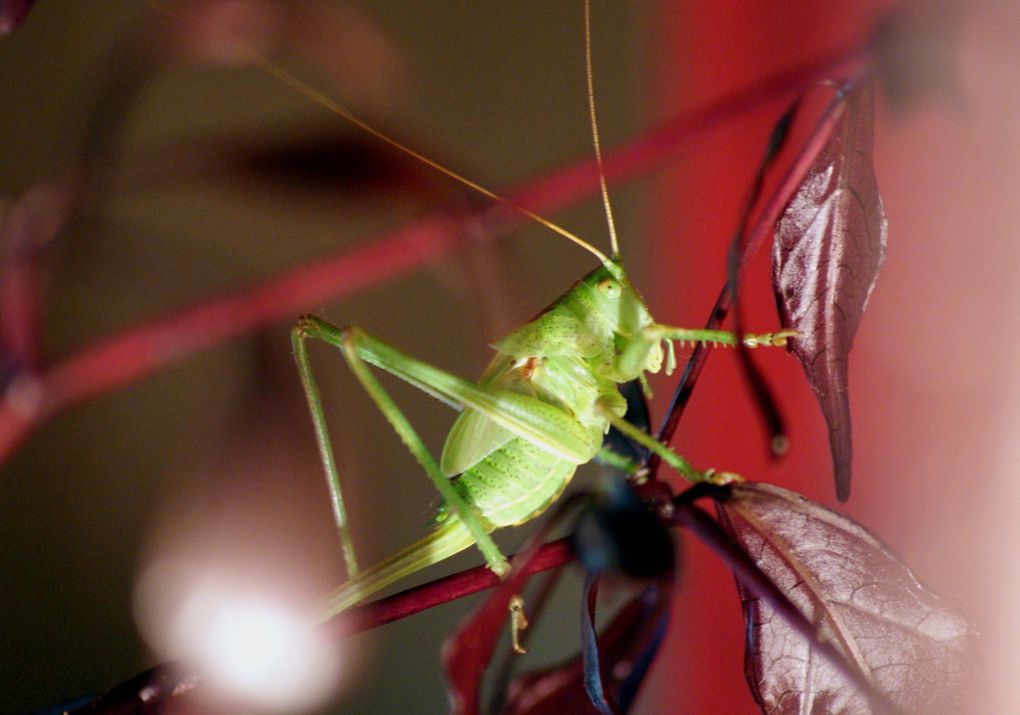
(609, 288)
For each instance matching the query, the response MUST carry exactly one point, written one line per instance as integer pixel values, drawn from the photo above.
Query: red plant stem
(763, 229)
(27, 225)
(115, 361)
(443, 590)
(19, 308)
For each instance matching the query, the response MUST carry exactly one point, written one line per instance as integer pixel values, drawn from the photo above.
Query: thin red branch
(443, 590)
(130, 355)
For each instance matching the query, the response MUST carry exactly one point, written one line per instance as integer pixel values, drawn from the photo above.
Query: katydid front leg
(631, 361)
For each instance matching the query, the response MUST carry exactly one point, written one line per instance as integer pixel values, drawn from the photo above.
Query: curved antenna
(332, 105)
(613, 242)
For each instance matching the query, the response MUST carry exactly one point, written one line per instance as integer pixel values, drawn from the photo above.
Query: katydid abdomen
(511, 485)
(507, 479)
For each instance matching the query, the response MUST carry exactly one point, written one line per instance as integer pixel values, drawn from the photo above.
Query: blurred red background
(932, 377)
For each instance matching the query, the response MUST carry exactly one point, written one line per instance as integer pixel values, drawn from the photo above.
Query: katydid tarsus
(540, 409)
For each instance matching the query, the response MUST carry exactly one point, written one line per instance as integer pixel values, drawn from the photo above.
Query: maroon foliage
(910, 643)
(829, 247)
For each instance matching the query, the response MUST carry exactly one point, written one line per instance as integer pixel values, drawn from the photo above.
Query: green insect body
(565, 357)
(541, 408)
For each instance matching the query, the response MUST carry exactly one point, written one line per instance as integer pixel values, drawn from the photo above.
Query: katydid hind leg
(447, 539)
(543, 424)
(346, 340)
(325, 447)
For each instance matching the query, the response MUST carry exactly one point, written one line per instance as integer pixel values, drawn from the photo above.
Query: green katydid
(540, 409)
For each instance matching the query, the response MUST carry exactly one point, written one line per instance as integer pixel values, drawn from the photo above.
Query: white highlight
(251, 647)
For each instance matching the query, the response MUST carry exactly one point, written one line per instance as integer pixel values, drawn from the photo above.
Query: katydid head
(610, 306)
(614, 300)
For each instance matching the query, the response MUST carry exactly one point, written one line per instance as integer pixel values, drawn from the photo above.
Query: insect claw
(518, 623)
(724, 478)
(719, 478)
(639, 476)
(646, 388)
(670, 357)
(780, 339)
(775, 340)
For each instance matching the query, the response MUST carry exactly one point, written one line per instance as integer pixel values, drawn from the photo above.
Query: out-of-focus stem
(130, 355)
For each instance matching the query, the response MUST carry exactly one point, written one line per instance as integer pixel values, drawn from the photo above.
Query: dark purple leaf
(768, 409)
(67, 706)
(591, 665)
(828, 249)
(12, 14)
(910, 643)
(753, 580)
(626, 650)
(617, 532)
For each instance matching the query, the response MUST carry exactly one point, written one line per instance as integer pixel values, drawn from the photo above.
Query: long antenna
(613, 242)
(332, 105)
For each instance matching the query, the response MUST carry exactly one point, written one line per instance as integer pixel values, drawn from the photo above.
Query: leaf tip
(779, 445)
(842, 482)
